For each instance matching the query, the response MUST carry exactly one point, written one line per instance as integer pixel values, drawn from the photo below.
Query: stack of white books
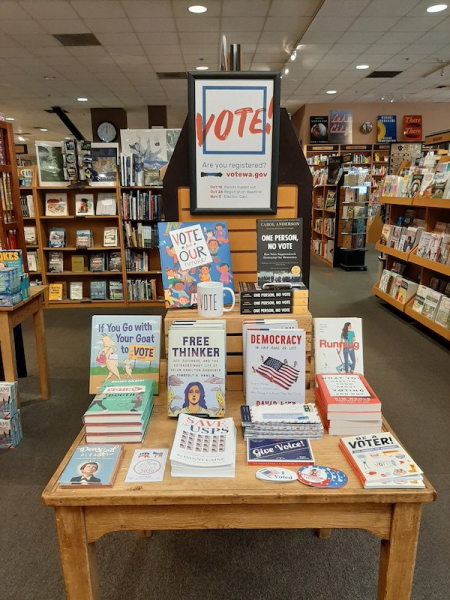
(287, 421)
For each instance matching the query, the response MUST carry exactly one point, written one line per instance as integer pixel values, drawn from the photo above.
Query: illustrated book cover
(124, 347)
(338, 345)
(56, 204)
(273, 452)
(117, 402)
(147, 465)
(192, 253)
(92, 466)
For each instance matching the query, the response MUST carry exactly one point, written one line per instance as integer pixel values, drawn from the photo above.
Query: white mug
(210, 299)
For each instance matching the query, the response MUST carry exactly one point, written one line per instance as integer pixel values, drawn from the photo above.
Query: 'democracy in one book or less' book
(279, 250)
(338, 345)
(192, 253)
(124, 347)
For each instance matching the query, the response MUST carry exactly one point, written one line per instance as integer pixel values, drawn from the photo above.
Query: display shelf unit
(417, 268)
(96, 224)
(323, 229)
(352, 227)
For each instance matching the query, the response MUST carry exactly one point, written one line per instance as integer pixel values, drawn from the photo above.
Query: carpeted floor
(408, 369)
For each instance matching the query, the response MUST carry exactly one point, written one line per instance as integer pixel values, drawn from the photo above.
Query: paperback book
(279, 250)
(56, 204)
(338, 345)
(92, 466)
(272, 452)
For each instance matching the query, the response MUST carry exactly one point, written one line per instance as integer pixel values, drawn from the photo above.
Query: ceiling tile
(286, 40)
(14, 11)
(14, 52)
(149, 8)
(37, 40)
(200, 49)
(257, 66)
(249, 8)
(238, 38)
(87, 51)
(6, 42)
(49, 10)
(345, 8)
(59, 26)
(422, 49)
(193, 38)
(51, 52)
(433, 37)
(109, 25)
(202, 24)
(416, 24)
(329, 23)
(99, 9)
(157, 38)
(386, 48)
(111, 39)
(364, 24)
(26, 27)
(180, 9)
(350, 48)
(150, 25)
(169, 67)
(129, 60)
(272, 57)
(399, 8)
(125, 50)
(289, 8)
(397, 38)
(243, 23)
(168, 50)
(318, 37)
(293, 24)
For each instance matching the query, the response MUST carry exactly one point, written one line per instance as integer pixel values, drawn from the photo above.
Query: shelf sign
(412, 128)
(386, 128)
(233, 142)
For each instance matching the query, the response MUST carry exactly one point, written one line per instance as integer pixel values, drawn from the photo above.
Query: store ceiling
(140, 38)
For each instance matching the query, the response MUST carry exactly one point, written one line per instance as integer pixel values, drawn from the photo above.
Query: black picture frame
(194, 78)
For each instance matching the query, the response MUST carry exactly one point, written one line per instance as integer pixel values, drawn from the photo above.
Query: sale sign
(234, 128)
(412, 128)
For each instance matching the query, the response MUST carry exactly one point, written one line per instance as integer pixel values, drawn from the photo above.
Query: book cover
(424, 242)
(8, 399)
(147, 465)
(338, 345)
(344, 392)
(294, 413)
(341, 122)
(191, 253)
(196, 371)
(279, 452)
(56, 204)
(431, 303)
(10, 431)
(124, 347)
(57, 237)
(279, 250)
(442, 313)
(275, 365)
(133, 399)
(92, 466)
(98, 291)
(84, 205)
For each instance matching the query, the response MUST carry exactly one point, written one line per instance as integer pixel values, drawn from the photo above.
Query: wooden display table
(9, 318)
(244, 502)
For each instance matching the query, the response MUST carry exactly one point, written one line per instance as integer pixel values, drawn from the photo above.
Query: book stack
(10, 423)
(257, 300)
(347, 404)
(14, 282)
(203, 447)
(287, 421)
(120, 413)
(380, 462)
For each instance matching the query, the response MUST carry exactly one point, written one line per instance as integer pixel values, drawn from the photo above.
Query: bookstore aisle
(408, 370)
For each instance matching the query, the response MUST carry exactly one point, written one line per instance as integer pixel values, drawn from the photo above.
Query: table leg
(324, 534)
(8, 350)
(77, 555)
(398, 554)
(145, 534)
(41, 351)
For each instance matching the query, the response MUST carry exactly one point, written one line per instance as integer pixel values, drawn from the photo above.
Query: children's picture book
(84, 205)
(271, 452)
(196, 369)
(92, 466)
(124, 347)
(338, 345)
(147, 465)
(193, 253)
(279, 250)
(56, 204)
(275, 366)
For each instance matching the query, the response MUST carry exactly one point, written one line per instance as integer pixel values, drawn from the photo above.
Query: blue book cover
(124, 347)
(8, 399)
(279, 452)
(92, 466)
(192, 253)
(10, 431)
(12, 259)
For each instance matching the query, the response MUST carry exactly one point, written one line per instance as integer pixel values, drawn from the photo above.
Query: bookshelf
(352, 227)
(417, 269)
(323, 230)
(133, 279)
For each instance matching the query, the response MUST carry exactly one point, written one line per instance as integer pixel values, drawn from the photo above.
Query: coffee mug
(210, 299)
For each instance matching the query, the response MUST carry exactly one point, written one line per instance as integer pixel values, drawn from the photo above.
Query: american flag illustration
(277, 372)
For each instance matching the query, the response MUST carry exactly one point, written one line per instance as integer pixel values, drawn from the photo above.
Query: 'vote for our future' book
(192, 253)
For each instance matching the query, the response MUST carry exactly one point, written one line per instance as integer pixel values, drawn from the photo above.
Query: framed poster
(234, 122)
(386, 128)
(341, 127)
(401, 152)
(318, 130)
(50, 164)
(412, 128)
(105, 158)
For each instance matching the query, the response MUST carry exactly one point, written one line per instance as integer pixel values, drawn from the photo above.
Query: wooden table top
(35, 290)
(244, 488)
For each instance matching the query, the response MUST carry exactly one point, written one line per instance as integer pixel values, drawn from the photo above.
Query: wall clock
(107, 132)
(366, 127)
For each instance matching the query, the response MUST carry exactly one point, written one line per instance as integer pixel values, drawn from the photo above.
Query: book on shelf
(106, 204)
(141, 205)
(286, 421)
(196, 368)
(431, 304)
(30, 235)
(10, 431)
(76, 290)
(427, 185)
(330, 200)
(56, 204)
(57, 291)
(124, 347)
(136, 260)
(379, 458)
(8, 399)
(110, 237)
(7, 198)
(442, 315)
(279, 250)
(347, 392)
(248, 290)
(98, 290)
(139, 290)
(140, 236)
(84, 205)
(115, 261)
(84, 238)
(27, 205)
(97, 261)
(338, 345)
(33, 261)
(335, 169)
(190, 253)
(25, 175)
(92, 466)
(78, 263)
(203, 447)
(57, 237)
(272, 452)
(274, 368)
(115, 289)
(55, 262)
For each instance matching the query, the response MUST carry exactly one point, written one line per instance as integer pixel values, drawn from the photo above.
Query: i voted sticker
(322, 477)
(276, 474)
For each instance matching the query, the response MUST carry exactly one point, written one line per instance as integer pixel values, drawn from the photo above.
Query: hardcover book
(191, 253)
(57, 237)
(8, 399)
(279, 250)
(338, 345)
(76, 290)
(56, 204)
(279, 452)
(92, 466)
(196, 370)
(124, 347)
(10, 431)
(84, 205)
(275, 366)
(345, 392)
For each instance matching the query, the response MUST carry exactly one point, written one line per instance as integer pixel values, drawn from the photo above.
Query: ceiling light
(82, 99)
(436, 8)
(331, 92)
(300, 46)
(362, 67)
(9, 118)
(294, 55)
(202, 68)
(392, 99)
(286, 71)
(43, 129)
(21, 138)
(382, 97)
(68, 137)
(197, 8)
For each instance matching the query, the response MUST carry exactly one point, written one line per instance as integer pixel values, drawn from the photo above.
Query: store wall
(435, 117)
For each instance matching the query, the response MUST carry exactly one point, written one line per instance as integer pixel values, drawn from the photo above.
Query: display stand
(351, 241)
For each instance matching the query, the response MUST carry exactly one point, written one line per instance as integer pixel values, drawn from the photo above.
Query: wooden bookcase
(35, 276)
(417, 268)
(351, 254)
(324, 232)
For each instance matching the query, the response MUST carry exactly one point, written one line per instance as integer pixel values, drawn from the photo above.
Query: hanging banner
(386, 128)
(341, 127)
(233, 142)
(318, 130)
(412, 128)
